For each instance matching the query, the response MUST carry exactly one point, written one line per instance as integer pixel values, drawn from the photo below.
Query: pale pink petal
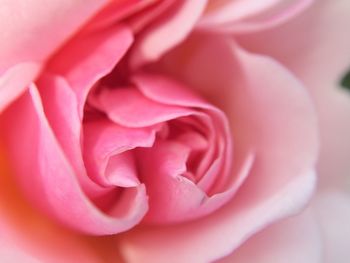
(222, 11)
(332, 210)
(53, 185)
(265, 111)
(319, 55)
(218, 233)
(31, 30)
(167, 31)
(292, 240)
(48, 245)
(15, 80)
(247, 16)
(89, 57)
(13, 254)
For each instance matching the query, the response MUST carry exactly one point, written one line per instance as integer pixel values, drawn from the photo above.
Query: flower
(141, 128)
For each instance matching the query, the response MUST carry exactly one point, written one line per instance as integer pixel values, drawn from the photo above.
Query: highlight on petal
(15, 80)
(14, 254)
(249, 16)
(296, 239)
(264, 111)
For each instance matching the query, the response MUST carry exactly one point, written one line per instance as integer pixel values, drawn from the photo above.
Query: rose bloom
(174, 131)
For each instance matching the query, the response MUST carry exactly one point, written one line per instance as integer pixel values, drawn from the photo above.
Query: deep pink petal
(89, 57)
(104, 139)
(128, 107)
(116, 11)
(53, 185)
(65, 124)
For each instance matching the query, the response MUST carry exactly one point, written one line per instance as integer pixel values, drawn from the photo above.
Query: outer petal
(282, 177)
(169, 30)
(319, 55)
(13, 254)
(332, 210)
(296, 239)
(31, 30)
(246, 16)
(14, 81)
(28, 236)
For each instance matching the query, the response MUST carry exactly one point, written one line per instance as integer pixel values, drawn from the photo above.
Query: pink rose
(174, 131)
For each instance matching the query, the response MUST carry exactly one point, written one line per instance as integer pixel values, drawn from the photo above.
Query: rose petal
(282, 179)
(167, 91)
(155, 41)
(29, 235)
(89, 57)
(296, 239)
(128, 107)
(15, 80)
(172, 196)
(332, 209)
(65, 124)
(48, 23)
(219, 233)
(249, 16)
(115, 11)
(318, 55)
(104, 139)
(53, 185)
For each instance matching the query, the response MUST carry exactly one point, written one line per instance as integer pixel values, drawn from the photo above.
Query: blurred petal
(319, 56)
(333, 214)
(292, 240)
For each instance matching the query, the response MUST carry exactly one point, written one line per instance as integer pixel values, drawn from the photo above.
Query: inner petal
(128, 107)
(104, 140)
(121, 170)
